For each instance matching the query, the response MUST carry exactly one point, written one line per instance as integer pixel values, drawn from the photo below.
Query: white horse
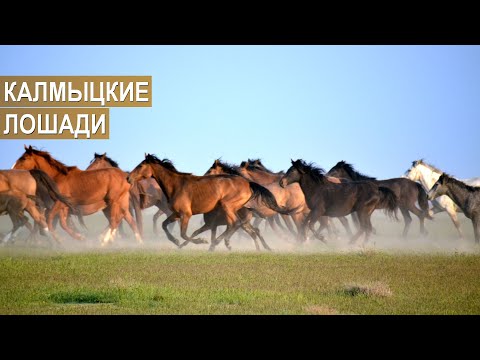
(428, 175)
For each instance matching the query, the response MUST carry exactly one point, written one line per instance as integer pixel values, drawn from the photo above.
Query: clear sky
(378, 107)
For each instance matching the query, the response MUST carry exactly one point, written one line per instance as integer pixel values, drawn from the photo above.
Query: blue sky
(378, 107)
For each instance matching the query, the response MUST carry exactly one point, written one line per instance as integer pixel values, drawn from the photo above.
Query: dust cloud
(442, 238)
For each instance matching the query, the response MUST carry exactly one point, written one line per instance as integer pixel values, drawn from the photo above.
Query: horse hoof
(211, 249)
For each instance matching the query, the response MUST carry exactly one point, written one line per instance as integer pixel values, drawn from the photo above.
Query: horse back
(20, 180)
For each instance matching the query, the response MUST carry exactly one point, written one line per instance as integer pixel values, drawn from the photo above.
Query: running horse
(14, 203)
(144, 194)
(189, 195)
(34, 184)
(327, 199)
(89, 191)
(408, 192)
(466, 197)
(428, 174)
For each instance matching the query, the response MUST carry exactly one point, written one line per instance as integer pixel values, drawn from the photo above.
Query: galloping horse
(143, 194)
(291, 197)
(333, 200)
(261, 211)
(189, 195)
(427, 175)
(256, 166)
(34, 183)
(14, 203)
(466, 197)
(407, 192)
(90, 191)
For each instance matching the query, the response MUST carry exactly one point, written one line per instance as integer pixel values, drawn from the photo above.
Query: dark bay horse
(144, 194)
(408, 192)
(89, 191)
(189, 195)
(14, 203)
(327, 199)
(466, 197)
(256, 165)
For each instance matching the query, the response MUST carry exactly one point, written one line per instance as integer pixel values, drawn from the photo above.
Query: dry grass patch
(321, 310)
(373, 289)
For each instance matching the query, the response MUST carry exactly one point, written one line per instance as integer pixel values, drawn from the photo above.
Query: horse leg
(346, 225)
(407, 219)
(453, 215)
(262, 240)
(362, 226)
(421, 216)
(323, 224)
(232, 225)
(288, 222)
(250, 231)
(476, 227)
(155, 219)
(38, 218)
(125, 213)
(298, 220)
(172, 218)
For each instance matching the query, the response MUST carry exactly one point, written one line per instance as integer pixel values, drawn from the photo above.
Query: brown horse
(14, 203)
(261, 211)
(90, 191)
(34, 183)
(189, 195)
(143, 194)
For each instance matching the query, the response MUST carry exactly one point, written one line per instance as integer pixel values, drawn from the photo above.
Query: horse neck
(50, 170)
(427, 177)
(167, 179)
(99, 165)
(457, 193)
(309, 186)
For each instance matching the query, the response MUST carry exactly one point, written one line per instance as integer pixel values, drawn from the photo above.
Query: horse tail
(45, 185)
(389, 201)
(135, 203)
(423, 201)
(267, 198)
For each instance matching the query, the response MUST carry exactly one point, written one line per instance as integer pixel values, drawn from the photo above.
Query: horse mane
(350, 170)
(316, 173)
(58, 165)
(457, 182)
(113, 163)
(226, 167)
(430, 166)
(259, 166)
(166, 163)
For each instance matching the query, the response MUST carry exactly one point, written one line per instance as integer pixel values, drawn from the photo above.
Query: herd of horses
(236, 196)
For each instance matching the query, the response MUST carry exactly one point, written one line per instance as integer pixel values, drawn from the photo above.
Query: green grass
(38, 281)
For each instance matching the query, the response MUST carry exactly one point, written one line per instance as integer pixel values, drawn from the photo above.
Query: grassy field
(173, 282)
(157, 279)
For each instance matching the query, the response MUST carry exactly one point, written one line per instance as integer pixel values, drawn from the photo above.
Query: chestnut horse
(34, 183)
(90, 191)
(14, 203)
(189, 195)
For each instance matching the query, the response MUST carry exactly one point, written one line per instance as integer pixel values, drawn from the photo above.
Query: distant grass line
(183, 282)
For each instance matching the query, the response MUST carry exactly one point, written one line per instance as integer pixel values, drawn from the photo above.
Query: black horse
(408, 192)
(465, 196)
(327, 199)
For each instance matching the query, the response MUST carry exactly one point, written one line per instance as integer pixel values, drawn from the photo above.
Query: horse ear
(25, 146)
(146, 155)
(216, 162)
(104, 154)
(291, 160)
